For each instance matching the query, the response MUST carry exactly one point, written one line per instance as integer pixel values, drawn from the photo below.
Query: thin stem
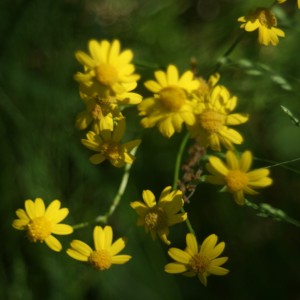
(122, 187)
(281, 164)
(178, 160)
(267, 211)
(228, 51)
(176, 175)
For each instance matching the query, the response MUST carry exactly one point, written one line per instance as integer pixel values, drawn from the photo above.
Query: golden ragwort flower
(235, 175)
(198, 260)
(102, 115)
(213, 118)
(263, 20)
(108, 145)
(41, 223)
(157, 217)
(105, 253)
(107, 71)
(172, 104)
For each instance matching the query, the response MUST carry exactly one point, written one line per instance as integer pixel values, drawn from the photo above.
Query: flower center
(236, 180)
(266, 18)
(211, 121)
(199, 263)
(111, 150)
(39, 229)
(100, 259)
(172, 98)
(106, 74)
(156, 218)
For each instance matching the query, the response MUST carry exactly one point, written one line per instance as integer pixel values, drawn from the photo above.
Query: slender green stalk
(122, 187)
(178, 160)
(267, 211)
(228, 51)
(176, 175)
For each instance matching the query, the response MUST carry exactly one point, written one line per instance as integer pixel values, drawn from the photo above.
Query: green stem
(122, 187)
(176, 175)
(267, 211)
(228, 52)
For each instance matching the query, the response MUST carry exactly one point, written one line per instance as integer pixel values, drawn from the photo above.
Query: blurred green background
(41, 153)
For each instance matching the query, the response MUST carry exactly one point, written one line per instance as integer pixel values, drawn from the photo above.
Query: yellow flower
(206, 86)
(213, 118)
(102, 115)
(263, 20)
(41, 223)
(105, 253)
(172, 104)
(107, 71)
(157, 217)
(199, 260)
(282, 1)
(108, 145)
(235, 175)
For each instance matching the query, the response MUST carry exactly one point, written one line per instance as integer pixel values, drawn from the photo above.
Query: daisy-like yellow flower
(172, 104)
(282, 1)
(108, 145)
(107, 71)
(157, 217)
(235, 175)
(213, 118)
(41, 223)
(102, 115)
(198, 260)
(263, 20)
(206, 85)
(105, 253)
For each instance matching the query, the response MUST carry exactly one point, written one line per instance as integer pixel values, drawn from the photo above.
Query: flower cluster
(105, 86)
(40, 224)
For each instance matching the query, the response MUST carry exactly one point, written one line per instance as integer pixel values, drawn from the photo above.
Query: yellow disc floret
(106, 74)
(236, 180)
(155, 219)
(211, 121)
(100, 259)
(199, 263)
(172, 98)
(39, 229)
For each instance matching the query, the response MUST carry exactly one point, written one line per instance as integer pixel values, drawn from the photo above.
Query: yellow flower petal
(149, 198)
(120, 259)
(232, 160)
(245, 161)
(218, 165)
(76, 255)
(30, 209)
(179, 255)
(81, 247)
(175, 268)
(53, 243)
(62, 229)
(192, 243)
(60, 215)
(39, 207)
(117, 246)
